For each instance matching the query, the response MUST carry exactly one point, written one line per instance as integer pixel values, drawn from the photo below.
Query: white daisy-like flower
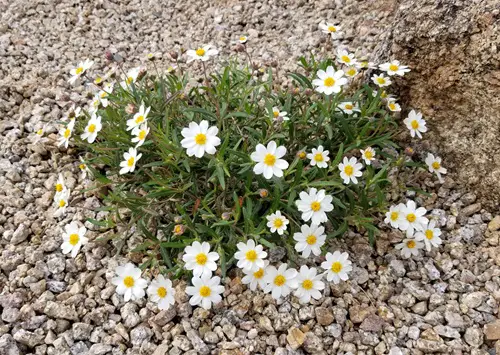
(205, 291)
(93, 127)
(393, 106)
(202, 53)
(415, 123)
(277, 223)
(77, 72)
(243, 39)
(140, 133)
(268, 160)
(351, 71)
(73, 239)
(395, 216)
(430, 236)
(310, 239)
(60, 185)
(319, 157)
(309, 284)
(413, 218)
(368, 155)
(139, 118)
(74, 112)
(434, 165)
(280, 282)
(335, 31)
(161, 292)
(61, 201)
(350, 170)
(348, 107)
(337, 266)
(365, 64)
(130, 159)
(171, 68)
(200, 259)
(83, 168)
(381, 80)
(65, 133)
(200, 139)
(255, 278)
(409, 247)
(279, 115)
(346, 58)
(394, 68)
(129, 282)
(131, 77)
(38, 136)
(250, 256)
(314, 205)
(104, 93)
(329, 81)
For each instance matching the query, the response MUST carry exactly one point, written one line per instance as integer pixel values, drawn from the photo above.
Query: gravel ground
(443, 302)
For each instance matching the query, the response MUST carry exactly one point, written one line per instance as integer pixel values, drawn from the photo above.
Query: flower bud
(179, 229)
(109, 56)
(409, 151)
(239, 48)
(130, 109)
(308, 92)
(226, 216)
(174, 55)
(177, 219)
(301, 154)
(263, 193)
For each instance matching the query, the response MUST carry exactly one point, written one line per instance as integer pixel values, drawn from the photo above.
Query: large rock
(453, 49)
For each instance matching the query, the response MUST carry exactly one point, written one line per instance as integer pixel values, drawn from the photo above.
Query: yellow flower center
(393, 67)
(411, 217)
(345, 59)
(243, 38)
(302, 155)
(278, 223)
(205, 291)
(436, 165)
(329, 82)
(276, 113)
(392, 106)
(311, 240)
(279, 280)
(332, 29)
(348, 170)
(142, 135)
(59, 187)
(73, 239)
(79, 70)
(307, 284)
(200, 52)
(429, 234)
(104, 94)
(98, 80)
(130, 161)
(92, 128)
(82, 166)
(381, 81)
(315, 206)
(39, 132)
(251, 255)
(178, 229)
(414, 124)
(129, 80)
(201, 259)
(318, 157)
(67, 133)
(336, 267)
(259, 273)
(383, 94)
(200, 139)
(411, 244)
(139, 119)
(348, 106)
(62, 203)
(161, 292)
(351, 72)
(394, 216)
(129, 281)
(269, 159)
(368, 154)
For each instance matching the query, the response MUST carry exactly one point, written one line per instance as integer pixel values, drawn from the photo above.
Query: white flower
(73, 239)
(200, 139)
(393, 105)
(131, 77)
(130, 158)
(430, 236)
(395, 216)
(277, 223)
(250, 256)
(337, 266)
(368, 155)
(205, 291)
(129, 282)
(254, 278)
(38, 136)
(309, 284)
(161, 291)
(171, 68)
(333, 30)
(268, 160)
(319, 157)
(200, 259)
(202, 53)
(140, 133)
(415, 123)
(314, 205)
(83, 168)
(310, 239)
(346, 58)
(350, 170)
(434, 164)
(94, 104)
(104, 93)
(329, 81)
(349, 107)
(65, 133)
(365, 64)
(243, 39)
(351, 72)
(279, 115)
(77, 72)
(409, 247)
(394, 68)
(93, 127)
(139, 118)
(60, 186)
(280, 282)
(74, 112)
(61, 200)
(413, 218)
(381, 80)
